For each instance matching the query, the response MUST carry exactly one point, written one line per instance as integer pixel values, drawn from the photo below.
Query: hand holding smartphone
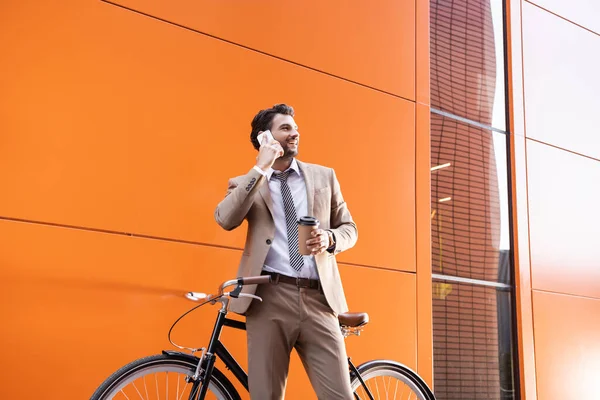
(266, 133)
(269, 151)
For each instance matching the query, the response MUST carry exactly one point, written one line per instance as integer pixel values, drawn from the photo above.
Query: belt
(298, 282)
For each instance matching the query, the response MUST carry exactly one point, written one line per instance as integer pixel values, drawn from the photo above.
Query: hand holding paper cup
(305, 226)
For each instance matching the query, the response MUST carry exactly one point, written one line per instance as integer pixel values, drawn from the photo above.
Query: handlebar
(255, 280)
(239, 282)
(250, 280)
(223, 298)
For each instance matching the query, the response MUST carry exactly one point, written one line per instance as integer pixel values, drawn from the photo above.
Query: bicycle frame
(217, 349)
(360, 379)
(201, 374)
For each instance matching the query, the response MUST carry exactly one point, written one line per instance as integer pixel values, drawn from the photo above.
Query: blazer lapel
(310, 186)
(265, 193)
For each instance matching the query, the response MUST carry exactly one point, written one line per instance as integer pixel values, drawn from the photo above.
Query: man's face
(285, 131)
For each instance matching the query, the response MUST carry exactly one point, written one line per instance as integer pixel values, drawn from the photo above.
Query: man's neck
(281, 164)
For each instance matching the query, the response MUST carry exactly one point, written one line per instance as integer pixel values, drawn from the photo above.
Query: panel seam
(563, 18)
(255, 50)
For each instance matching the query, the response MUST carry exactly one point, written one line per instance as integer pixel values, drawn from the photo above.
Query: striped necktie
(291, 221)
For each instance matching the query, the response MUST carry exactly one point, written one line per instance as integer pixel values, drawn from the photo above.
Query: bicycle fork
(202, 382)
(207, 362)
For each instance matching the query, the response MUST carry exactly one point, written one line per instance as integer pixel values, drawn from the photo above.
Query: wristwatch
(331, 239)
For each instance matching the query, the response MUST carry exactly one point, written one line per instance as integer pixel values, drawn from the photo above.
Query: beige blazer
(248, 197)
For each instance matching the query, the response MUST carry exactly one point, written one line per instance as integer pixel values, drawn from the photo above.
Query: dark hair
(264, 120)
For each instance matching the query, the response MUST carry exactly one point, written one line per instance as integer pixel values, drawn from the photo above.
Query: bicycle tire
(122, 381)
(374, 373)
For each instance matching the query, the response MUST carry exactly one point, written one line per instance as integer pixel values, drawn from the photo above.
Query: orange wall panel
(81, 304)
(561, 63)
(422, 41)
(85, 303)
(423, 234)
(582, 12)
(373, 45)
(567, 342)
(520, 207)
(389, 297)
(423, 195)
(564, 223)
(160, 130)
(118, 133)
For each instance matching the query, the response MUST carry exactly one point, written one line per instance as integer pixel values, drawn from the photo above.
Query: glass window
(471, 262)
(467, 60)
(472, 337)
(469, 200)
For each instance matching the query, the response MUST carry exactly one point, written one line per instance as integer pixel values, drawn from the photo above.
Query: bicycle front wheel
(164, 376)
(389, 380)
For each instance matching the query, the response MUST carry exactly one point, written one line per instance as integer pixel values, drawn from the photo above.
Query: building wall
(120, 124)
(555, 59)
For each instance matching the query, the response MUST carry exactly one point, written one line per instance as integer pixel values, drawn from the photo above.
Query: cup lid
(310, 221)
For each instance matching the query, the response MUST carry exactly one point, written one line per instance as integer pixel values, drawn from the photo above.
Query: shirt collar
(293, 166)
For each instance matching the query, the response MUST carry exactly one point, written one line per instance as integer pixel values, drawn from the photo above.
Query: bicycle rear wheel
(162, 376)
(389, 380)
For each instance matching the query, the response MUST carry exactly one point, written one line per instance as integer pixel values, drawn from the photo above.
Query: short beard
(287, 153)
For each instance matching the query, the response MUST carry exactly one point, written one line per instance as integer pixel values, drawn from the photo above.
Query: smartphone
(268, 134)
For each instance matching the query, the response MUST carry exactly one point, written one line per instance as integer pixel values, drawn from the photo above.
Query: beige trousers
(291, 317)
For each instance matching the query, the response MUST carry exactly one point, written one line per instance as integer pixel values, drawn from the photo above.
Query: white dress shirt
(278, 257)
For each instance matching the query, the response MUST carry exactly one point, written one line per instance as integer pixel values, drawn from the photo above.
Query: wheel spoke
(379, 378)
(386, 387)
(356, 393)
(146, 388)
(156, 380)
(138, 392)
(168, 372)
(402, 394)
(183, 391)
(370, 389)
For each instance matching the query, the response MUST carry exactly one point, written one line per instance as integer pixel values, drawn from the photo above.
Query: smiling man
(299, 309)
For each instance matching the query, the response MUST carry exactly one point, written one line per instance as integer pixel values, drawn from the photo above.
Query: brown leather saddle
(353, 320)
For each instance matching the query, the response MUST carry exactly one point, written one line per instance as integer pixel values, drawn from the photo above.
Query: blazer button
(269, 241)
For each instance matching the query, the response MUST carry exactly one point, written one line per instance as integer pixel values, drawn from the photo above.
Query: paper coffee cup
(305, 226)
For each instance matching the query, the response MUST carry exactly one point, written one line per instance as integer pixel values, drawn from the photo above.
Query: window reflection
(472, 314)
(472, 342)
(469, 200)
(467, 60)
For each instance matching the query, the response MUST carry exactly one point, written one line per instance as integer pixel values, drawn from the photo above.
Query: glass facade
(467, 60)
(472, 340)
(469, 200)
(471, 258)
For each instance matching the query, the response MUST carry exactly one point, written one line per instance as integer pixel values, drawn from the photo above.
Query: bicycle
(187, 373)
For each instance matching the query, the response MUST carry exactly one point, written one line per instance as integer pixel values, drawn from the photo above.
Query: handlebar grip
(255, 280)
